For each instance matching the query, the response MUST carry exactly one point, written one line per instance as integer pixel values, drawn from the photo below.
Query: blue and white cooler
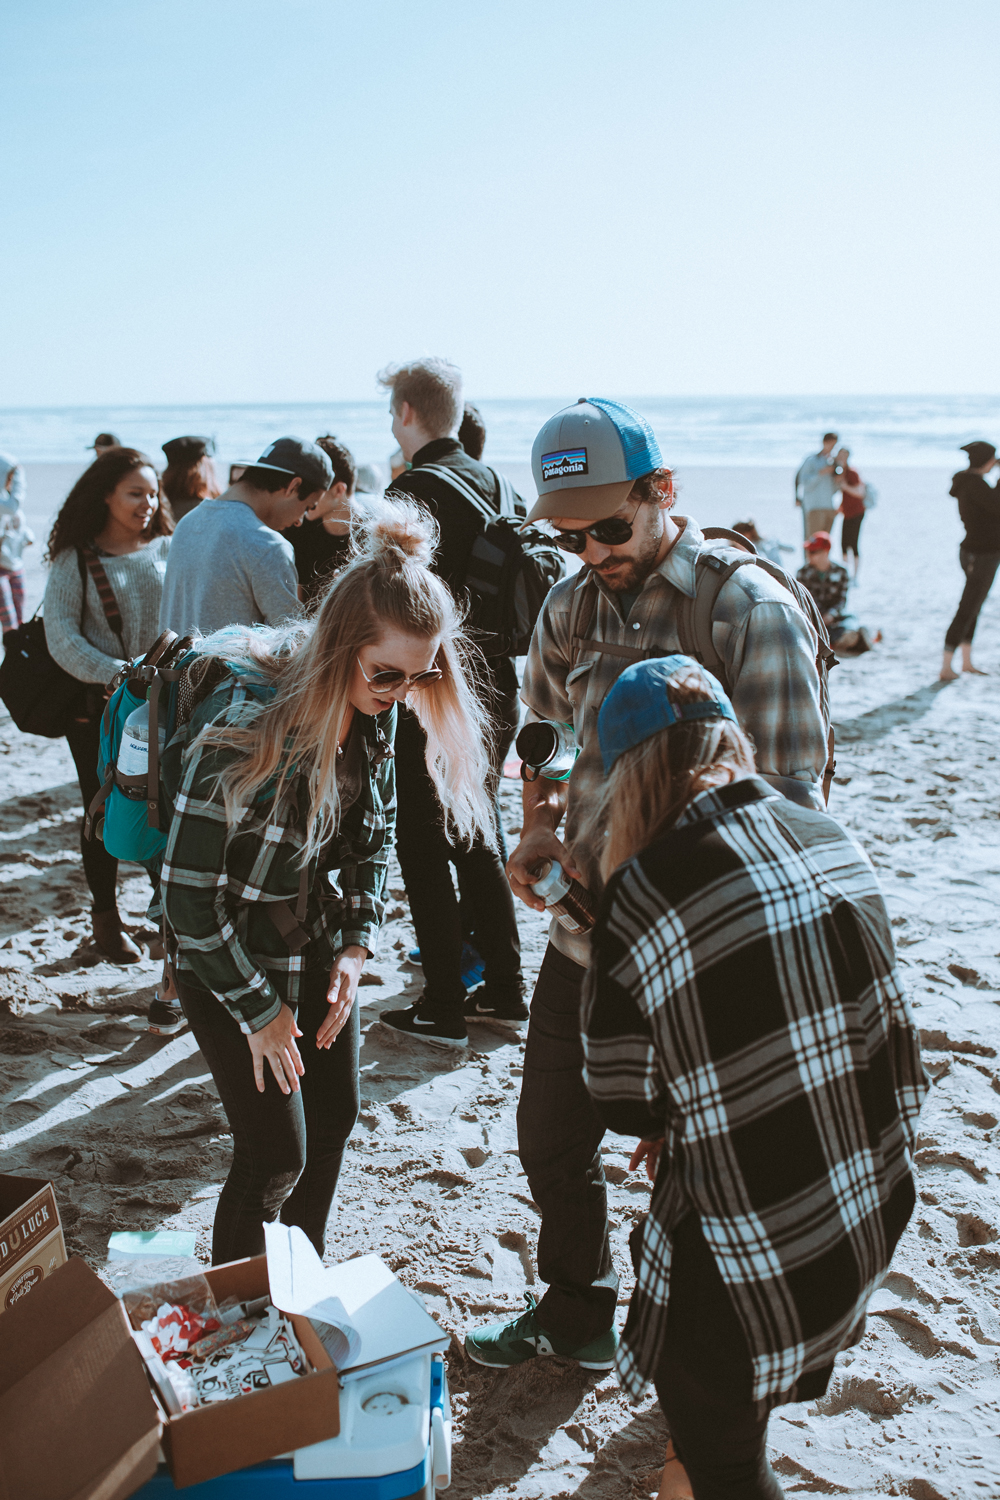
(394, 1444)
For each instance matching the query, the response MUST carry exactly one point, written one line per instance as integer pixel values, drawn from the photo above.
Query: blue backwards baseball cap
(587, 457)
(637, 706)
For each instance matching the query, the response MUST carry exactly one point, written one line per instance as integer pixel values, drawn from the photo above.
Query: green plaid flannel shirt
(217, 881)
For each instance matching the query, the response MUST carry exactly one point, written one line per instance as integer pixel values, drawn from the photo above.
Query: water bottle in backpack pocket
(127, 834)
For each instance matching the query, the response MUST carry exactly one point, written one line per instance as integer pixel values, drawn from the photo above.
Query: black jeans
(425, 859)
(287, 1148)
(850, 530)
(980, 570)
(100, 867)
(704, 1377)
(559, 1142)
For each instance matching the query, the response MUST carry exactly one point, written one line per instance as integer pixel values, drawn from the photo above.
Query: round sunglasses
(393, 678)
(613, 532)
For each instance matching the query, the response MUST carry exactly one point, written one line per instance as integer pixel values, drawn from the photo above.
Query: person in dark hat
(979, 554)
(104, 442)
(232, 565)
(190, 475)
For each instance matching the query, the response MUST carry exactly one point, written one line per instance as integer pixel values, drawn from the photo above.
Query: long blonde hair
(651, 784)
(312, 662)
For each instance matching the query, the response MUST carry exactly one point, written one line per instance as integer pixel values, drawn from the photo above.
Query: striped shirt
(744, 1005)
(765, 641)
(217, 881)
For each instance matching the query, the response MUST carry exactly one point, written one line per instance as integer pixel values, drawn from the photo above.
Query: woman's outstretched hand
(276, 1042)
(648, 1152)
(344, 977)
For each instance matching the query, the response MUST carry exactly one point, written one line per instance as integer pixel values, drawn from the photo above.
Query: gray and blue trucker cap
(587, 457)
(638, 706)
(291, 455)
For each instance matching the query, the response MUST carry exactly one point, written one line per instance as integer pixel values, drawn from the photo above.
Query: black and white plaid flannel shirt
(744, 1003)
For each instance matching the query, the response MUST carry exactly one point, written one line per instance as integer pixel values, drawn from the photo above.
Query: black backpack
(510, 570)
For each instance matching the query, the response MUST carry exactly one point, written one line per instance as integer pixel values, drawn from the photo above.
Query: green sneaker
(504, 1344)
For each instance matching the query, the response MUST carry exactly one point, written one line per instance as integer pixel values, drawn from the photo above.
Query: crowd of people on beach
(720, 981)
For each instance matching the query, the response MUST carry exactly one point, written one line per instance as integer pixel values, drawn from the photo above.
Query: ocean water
(736, 431)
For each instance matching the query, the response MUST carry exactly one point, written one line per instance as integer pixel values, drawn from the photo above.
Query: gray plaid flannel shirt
(744, 1004)
(767, 644)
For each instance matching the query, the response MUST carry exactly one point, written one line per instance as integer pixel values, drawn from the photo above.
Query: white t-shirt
(815, 489)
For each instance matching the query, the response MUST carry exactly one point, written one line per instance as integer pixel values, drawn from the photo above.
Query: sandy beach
(130, 1131)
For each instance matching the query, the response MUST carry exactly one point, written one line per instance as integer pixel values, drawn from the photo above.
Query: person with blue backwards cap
(743, 1016)
(603, 486)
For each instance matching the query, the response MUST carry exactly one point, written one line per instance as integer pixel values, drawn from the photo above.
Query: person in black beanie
(979, 554)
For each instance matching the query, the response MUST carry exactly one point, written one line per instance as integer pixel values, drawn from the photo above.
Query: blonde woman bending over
(287, 776)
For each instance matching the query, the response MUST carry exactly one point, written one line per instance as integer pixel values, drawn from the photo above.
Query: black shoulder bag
(39, 695)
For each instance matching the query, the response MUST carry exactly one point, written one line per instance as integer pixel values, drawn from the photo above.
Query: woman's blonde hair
(387, 584)
(651, 784)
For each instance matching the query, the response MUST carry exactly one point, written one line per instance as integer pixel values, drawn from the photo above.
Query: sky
(269, 200)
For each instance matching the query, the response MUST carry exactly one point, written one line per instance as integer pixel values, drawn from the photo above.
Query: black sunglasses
(614, 532)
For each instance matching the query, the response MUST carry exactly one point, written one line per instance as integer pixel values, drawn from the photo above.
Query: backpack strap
(289, 922)
(105, 593)
(581, 621)
(440, 471)
(508, 496)
(695, 616)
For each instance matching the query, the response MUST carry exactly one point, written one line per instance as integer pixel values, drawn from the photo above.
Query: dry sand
(130, 1130)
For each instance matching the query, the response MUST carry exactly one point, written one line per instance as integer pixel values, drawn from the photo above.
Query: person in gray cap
(232, 566)
(602, 484)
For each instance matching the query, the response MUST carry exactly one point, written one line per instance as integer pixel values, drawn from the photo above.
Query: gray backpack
(694, 625)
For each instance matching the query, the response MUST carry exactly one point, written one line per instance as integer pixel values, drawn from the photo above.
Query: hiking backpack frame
(694, 623)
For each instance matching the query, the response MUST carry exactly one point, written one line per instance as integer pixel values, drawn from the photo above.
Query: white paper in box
(379, 1318)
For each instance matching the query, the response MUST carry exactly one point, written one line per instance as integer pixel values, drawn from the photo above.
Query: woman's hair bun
(396, 530)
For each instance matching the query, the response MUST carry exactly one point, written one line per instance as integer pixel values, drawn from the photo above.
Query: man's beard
(631, 573)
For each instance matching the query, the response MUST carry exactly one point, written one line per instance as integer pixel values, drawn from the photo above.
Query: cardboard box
(31, 1237)
(77, 1417)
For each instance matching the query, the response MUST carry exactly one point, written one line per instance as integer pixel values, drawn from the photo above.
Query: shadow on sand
(888, 716)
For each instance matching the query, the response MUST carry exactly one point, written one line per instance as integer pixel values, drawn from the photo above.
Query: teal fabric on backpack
(126, 832)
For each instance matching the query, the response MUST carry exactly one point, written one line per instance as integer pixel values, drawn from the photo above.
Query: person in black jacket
(979, 554)
(426, 408)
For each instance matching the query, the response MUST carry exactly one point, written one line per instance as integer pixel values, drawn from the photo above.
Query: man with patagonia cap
(603, 486)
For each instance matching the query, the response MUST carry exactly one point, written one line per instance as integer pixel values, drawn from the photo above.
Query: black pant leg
(704, 1379)
(980, 569)
(330, 1102)
(100, 867)
(425, 861)
(559, 1138)
(850, 531)
(269, 1129)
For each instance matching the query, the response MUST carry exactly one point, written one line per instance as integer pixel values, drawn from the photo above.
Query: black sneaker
(165, 1020)
(443, 1028)
(482, 1006)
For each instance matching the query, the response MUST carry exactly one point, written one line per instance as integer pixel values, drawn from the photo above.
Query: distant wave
(923, 431)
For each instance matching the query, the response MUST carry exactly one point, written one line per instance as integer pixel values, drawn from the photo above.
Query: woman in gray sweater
(113, 511)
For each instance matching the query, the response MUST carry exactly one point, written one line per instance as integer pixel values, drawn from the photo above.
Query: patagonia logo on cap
(567, 461)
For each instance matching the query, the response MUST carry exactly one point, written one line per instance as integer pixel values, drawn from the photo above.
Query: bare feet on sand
(948, 673)
(674, 1483)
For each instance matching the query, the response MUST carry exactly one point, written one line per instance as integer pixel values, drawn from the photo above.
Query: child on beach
(288, 773)
(15, 535)
(828, 582)
(744, 1018)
